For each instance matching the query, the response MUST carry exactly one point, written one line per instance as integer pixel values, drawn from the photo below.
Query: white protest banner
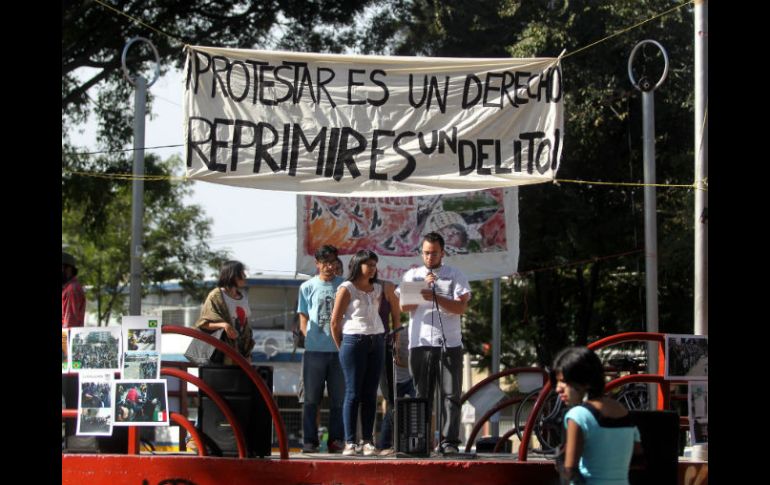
(368, 126)
(480, 230)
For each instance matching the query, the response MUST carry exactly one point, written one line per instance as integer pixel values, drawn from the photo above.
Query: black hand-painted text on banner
(259, 82)
(358, 125)
(267, 149)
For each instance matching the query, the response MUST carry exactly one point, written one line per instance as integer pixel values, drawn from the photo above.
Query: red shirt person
(132, 395)
(73, 298)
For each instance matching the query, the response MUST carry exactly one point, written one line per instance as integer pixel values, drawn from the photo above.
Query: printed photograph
(95, 403)
(141, 333)
(95, 348)
(687, 357)
(141, 365)
(65, 364)
(95, 421)
(95, 395)
(141, 340)
(141, 402)
(698, 397)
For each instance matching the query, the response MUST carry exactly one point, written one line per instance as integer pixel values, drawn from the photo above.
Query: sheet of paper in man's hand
(410, 292)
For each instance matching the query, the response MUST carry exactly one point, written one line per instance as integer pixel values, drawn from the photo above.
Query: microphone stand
(440, 403)
(440, 400)
(394, 348)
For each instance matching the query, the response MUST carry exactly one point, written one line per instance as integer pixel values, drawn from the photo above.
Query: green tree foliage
(174, 240)
(568, 304)
(93, 37)
(96, 211)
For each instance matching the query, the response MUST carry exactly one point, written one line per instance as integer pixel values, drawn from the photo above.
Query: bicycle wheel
(549, 427)
(520, 418)
(634, 397)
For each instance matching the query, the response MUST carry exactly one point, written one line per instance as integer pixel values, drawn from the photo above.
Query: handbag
(202, 353)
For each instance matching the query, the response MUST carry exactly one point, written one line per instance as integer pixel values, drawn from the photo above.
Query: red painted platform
(79, 469)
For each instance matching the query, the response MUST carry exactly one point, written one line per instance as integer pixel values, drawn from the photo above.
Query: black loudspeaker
(117, 443)
(243, 397)
(413, 426)
(659, 431)
(487, 445)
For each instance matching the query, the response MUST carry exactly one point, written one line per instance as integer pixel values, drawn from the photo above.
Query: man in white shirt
(436, 323)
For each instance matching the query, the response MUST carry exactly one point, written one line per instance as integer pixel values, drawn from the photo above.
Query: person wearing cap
(73, 298)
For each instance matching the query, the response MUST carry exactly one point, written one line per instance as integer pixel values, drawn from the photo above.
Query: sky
(257, 226)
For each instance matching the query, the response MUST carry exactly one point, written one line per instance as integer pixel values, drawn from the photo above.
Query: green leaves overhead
(547, 310)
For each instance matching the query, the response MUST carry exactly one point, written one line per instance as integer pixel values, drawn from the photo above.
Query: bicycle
(549, 423)
(634, 396)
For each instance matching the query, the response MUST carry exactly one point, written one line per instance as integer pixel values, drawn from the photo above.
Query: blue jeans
(361, 358)
(319, 368)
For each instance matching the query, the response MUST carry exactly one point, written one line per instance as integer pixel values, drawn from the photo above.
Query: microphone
(396, 330)
(432, 284)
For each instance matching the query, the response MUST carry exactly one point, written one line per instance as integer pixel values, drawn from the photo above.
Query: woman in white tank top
(359, 334)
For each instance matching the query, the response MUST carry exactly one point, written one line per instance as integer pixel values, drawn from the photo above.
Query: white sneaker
(369, 449)
(350, 449)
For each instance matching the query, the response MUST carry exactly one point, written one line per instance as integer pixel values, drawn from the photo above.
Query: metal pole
(650, 215)
(495, 425)
(137, 193)
(701, 290)
(650, 207)
(650, 236)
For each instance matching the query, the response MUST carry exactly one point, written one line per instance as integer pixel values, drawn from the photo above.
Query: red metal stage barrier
(664, 391)
(202, 470)
(177, 470)
(280, 428)
(501, 405)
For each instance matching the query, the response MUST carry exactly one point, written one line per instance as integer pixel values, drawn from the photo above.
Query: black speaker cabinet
(487, 445)
(117, 443)
(232, 384)
(412, 426)
(659, 431)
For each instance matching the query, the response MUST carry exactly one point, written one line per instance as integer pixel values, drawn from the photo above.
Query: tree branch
(74, 95)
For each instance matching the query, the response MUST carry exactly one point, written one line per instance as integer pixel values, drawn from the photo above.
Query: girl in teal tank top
(601, 438)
